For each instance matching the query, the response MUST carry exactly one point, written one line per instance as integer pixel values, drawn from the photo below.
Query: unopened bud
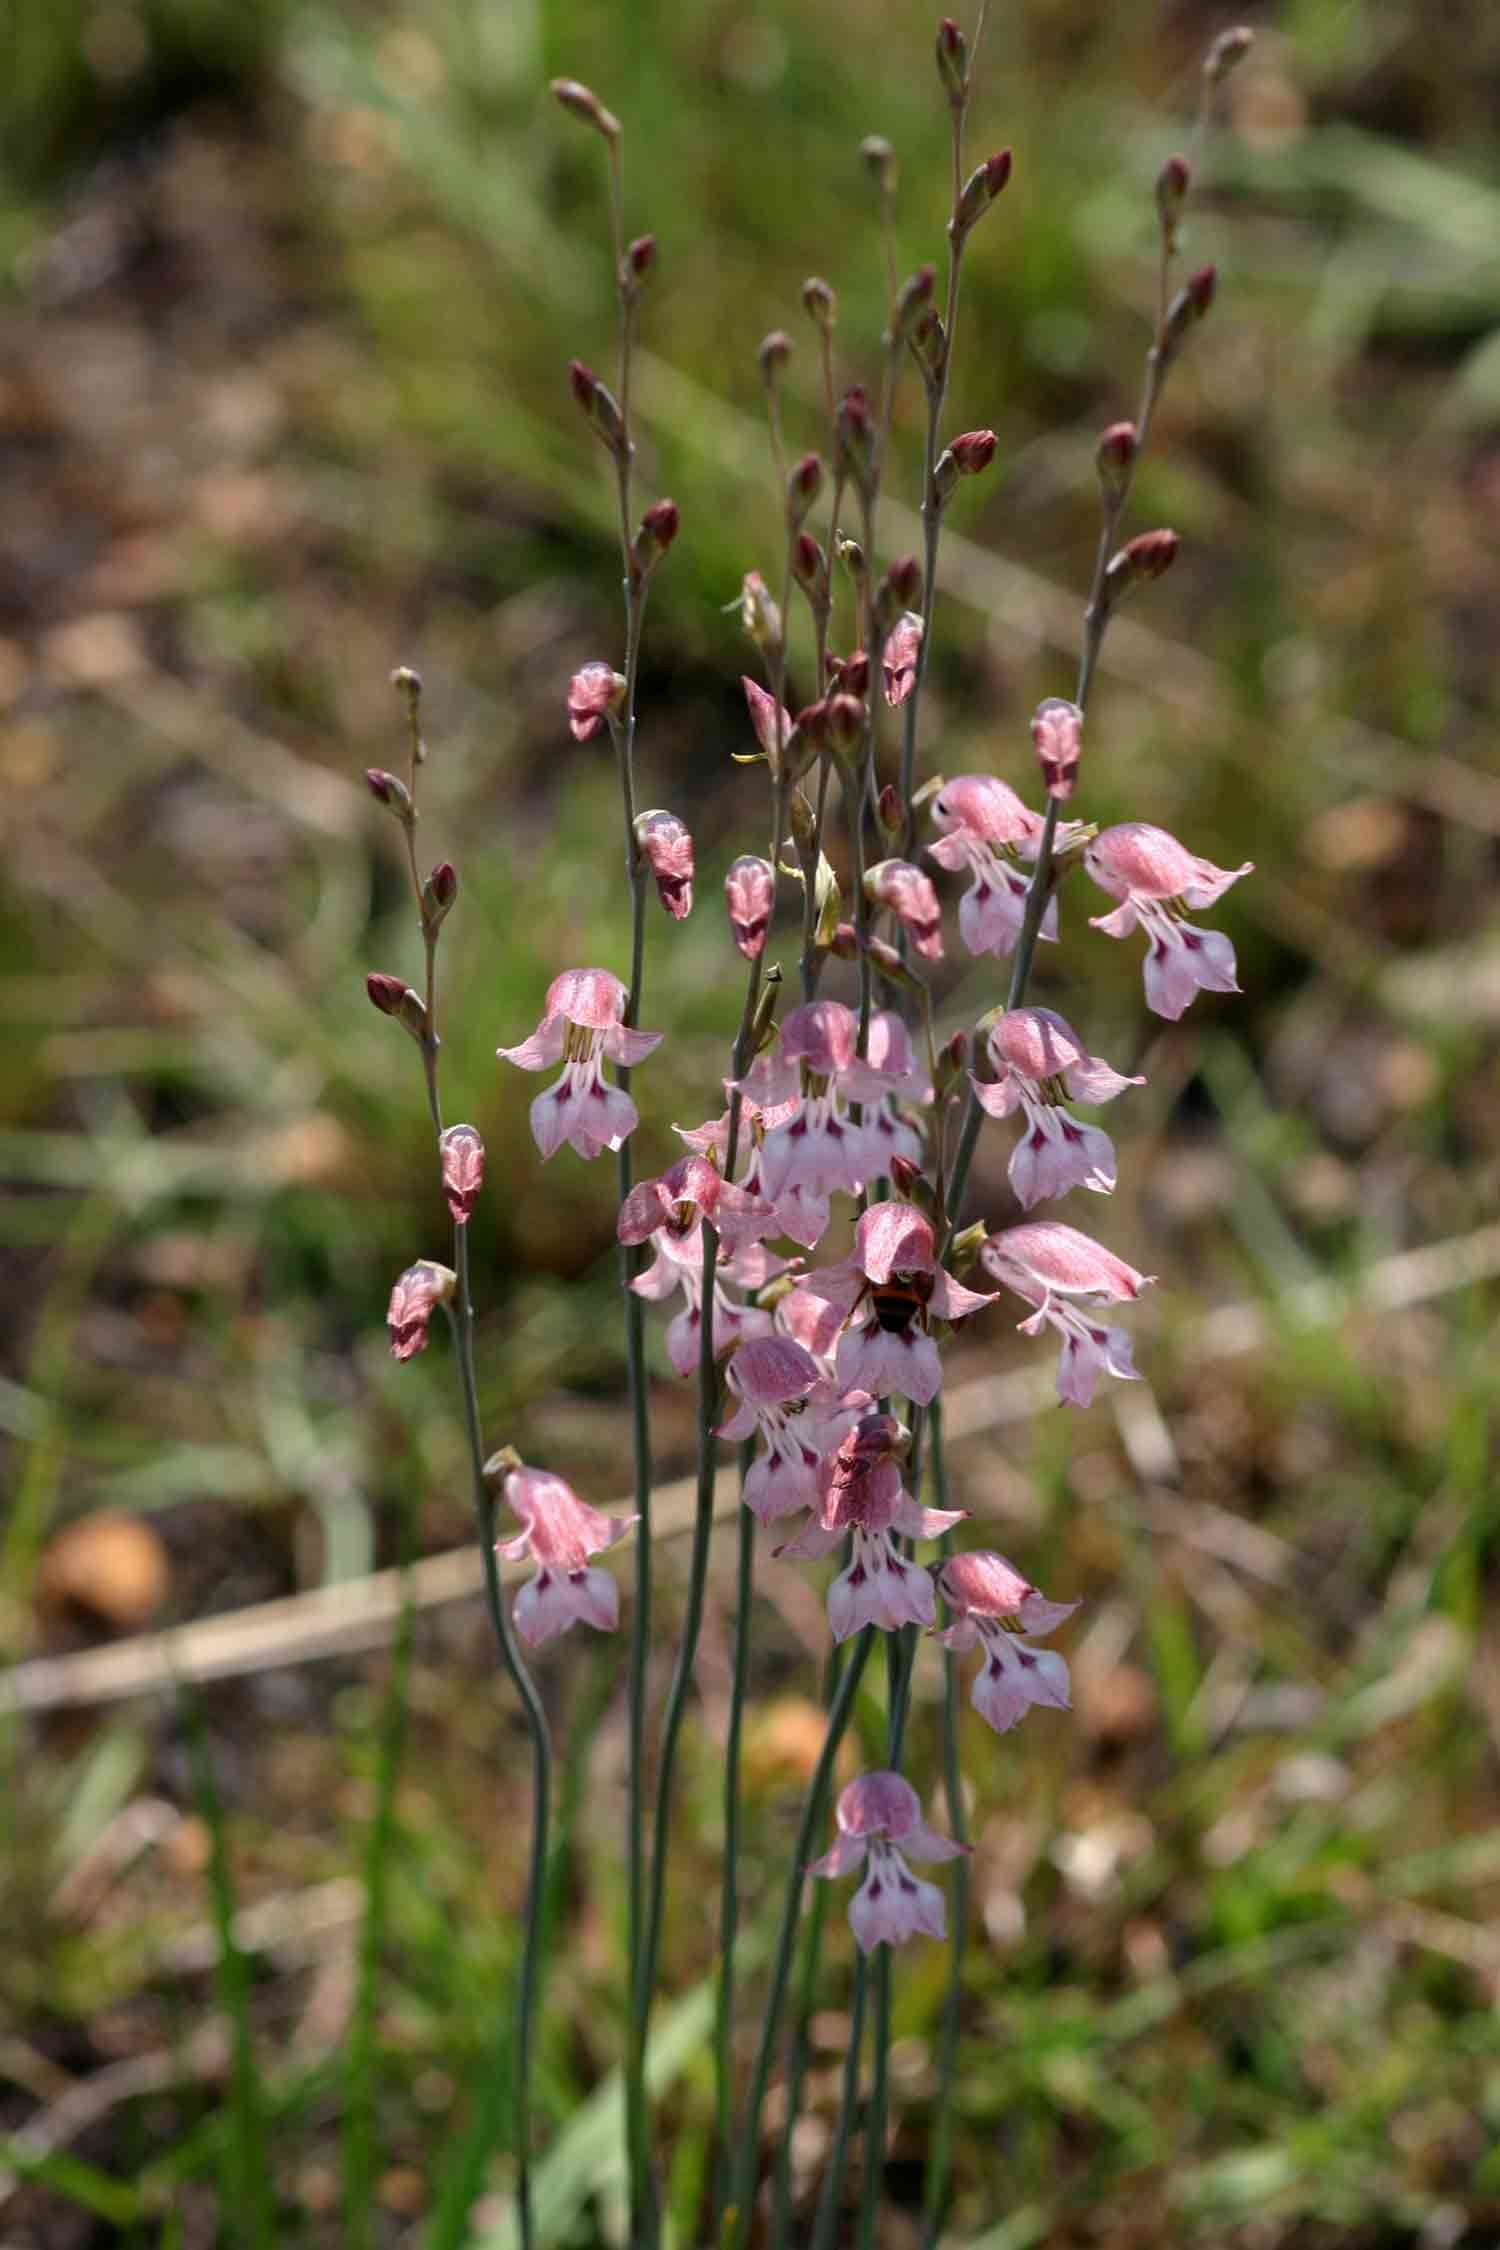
(980, 190)
(913, 1186)
(387, 790)
(953, 61)
(846, 724)
(853, 674)
(903, 890)
(1172, 183)
(580, 102)
(890, 814)
(898, 590)
(880, 162)
(658, 530)
(968, 456)
(1143, 558)
(415, 1297)
(667, 848)
(438, 894)
(596, 693)
(749, 893)
(600, 406)
(852, 555)
(929, 343)
(462, 1153)
(394, 997)
(640, 256)
(1227, 53)
(819, 301)
(809, 565)
(1057, 738)
(952, 1060)
(887, 963)
(1184, 312)
(844, 942)
(802, 487)
(1114, 457)
(912, 299)
(775, 350)
(901, 656)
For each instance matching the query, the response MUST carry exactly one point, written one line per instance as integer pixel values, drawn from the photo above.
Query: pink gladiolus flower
(892, 1289)
(782, 1394)
(462, 1154)
(1057, 738)
(691, 1188)
(580, 1026)
(879, 1819)
(861, 1494)
(763, 709)
(667, 849)
(993, 1605)
(678, 1264)
(750, 894)
(885, 1131)
(900, 657)
(1048, 1264)
(559, 1533)
(909, 895)
(816, 1150)
(1155, 878)
(984, 826)
(595, 693)
(1035, 1053)
(414, 1298)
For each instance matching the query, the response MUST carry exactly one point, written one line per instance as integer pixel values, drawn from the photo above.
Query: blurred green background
(289, 292)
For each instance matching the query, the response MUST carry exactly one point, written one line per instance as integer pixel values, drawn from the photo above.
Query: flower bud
(394, 997)
(903, 890)
(1227, 53)
(852, 555)
(898, 589)
(953, 62)
(1184, 312)
(901, 657)
(929, 342)
(658, 530)
(749, 894)
(1114, 457)
(819, 302)
(887, 963)
(809, 566)
(582, 103)
(968, 456)
(846, 724)
(912, 299)
(913, 1186)
(415, 1297)
(595, 693)
(775, 350)
(844, 942)
(640, 256)
(760, 617)
(763, 718)
(890, 814)
(667, 849)
(853, 675)
(387, 790)
(880, 162)
(980, 190)
(1143, 558)
(462, 1154)
(952, 1060)
(600, 406)
(854, 438)
(438, 894)
(1057, 737)
(1172, 183)
(802, 487)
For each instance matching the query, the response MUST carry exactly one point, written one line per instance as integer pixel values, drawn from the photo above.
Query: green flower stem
(879, 2108)
(939, 2165)
(729, 1902)
(814, 1805)
(833, 2176)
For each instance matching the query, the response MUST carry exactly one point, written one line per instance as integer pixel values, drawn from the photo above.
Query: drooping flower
(908, 894)
(749, 895)
(1156, 880)
(900, 656)
(462, 1154)
(688, 1189)
(879, 1819)
(667, 849)
(784, 1395)
(1049, 1265)
(816, 1149)
(415, 1296)
(559, 1533)
(861, 1494)
(581, 1025)
(891, 1289)
(985, 827)
(1057, 738)
(595, 693)
(678, 1264)
(763, 710)
(992, 1604)
(1037, 1057)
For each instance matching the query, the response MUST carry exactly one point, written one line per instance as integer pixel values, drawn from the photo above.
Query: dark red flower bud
(846, 723)
(1114, 456)
(911, 300)
(980, 190)
(953, 61)
(1172, 183)
(641, 256)
(387, 790)
(1141, 559)
(803, 486)
(658, 529)
(809, 564)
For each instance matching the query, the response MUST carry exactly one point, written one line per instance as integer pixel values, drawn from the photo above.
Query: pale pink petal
(1058, 1257)
(891, 1905)
(629, 1047)
(847, 1853)
(589, 997)
(907, 1365)
(542, 1051)
(878, 1804)
(1191, 961)
(950, 1300)
(772, 1369)
(894, 1238)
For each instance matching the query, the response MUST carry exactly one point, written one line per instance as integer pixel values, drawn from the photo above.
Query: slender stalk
(814, 1804)
(879, 2105)
(838, 2157)
(939, 2164)
(729, 1900)
(800, 2049)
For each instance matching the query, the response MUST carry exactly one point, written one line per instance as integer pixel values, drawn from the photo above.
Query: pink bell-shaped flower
(1051, 1265)
(880, 1826)
(1037, 1058)
(559, 1534)
(1157, 880)
(581, 1026)
(992, 1606)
